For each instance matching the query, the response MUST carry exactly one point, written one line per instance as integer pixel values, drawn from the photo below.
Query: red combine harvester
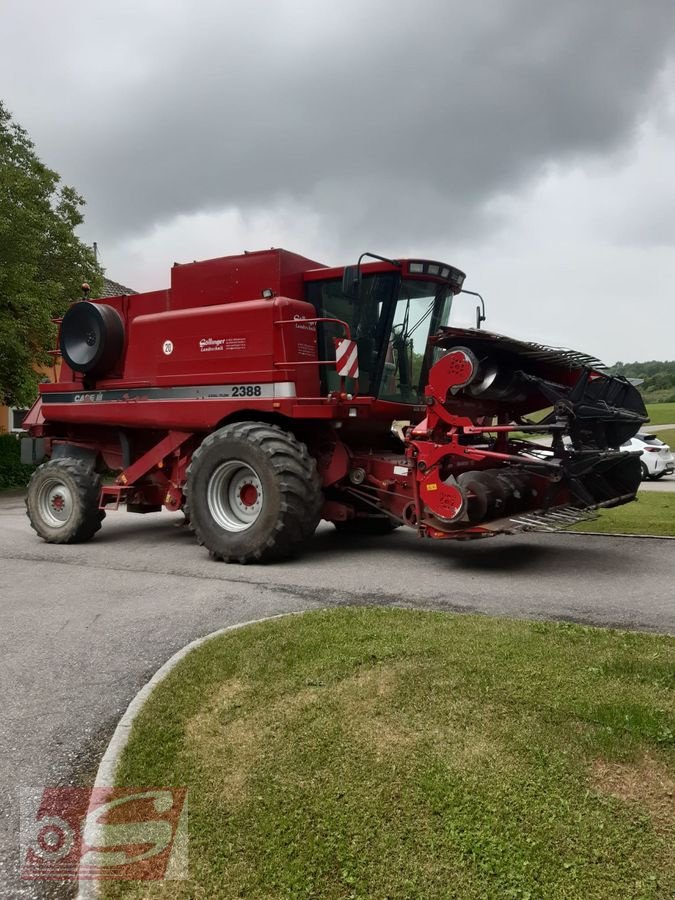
(263, 392)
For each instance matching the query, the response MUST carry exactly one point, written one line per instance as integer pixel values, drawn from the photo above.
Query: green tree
(42, 261)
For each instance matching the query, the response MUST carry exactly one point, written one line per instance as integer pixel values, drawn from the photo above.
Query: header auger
(263, 392)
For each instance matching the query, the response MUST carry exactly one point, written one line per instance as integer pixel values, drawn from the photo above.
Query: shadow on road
(528, 553)
(498, 554)
(154, 527)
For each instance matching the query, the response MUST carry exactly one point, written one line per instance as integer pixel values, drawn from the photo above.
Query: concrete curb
(105, 775)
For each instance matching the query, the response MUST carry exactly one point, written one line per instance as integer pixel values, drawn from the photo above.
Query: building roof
(114, 288)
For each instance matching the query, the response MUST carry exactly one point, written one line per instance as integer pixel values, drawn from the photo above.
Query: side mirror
(480, 309)
(351, 282)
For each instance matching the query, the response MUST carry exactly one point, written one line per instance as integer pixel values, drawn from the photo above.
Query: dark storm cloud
(408, 116)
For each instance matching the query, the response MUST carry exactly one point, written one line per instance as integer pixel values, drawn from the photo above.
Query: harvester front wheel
(253, 493)
(62, 501)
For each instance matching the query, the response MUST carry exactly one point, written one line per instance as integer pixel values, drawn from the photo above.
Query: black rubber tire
(291, 487)
(375, 525)
(84, 487)
(644, 471)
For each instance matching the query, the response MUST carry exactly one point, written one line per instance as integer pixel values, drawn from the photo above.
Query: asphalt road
(83, 627)
(665, 485)
(654, 429)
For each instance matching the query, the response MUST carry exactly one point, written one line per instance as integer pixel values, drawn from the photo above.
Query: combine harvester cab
(263, 392)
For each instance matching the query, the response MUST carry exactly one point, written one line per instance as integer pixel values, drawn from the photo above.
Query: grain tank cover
(229, 279)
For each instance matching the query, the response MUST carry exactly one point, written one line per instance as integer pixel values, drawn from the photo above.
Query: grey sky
(526, 141)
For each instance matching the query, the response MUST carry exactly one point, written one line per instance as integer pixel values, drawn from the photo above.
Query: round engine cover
(92, 337)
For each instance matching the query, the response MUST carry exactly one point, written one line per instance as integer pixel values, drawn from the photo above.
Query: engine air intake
(92, 338)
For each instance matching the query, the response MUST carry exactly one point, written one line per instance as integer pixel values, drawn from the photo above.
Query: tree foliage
(658, 378)
(42, 261)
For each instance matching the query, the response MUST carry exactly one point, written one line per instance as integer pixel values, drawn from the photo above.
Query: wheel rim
(234, 495)
(55, 503)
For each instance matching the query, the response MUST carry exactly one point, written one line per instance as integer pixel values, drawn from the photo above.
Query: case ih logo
(88, 398)
(137, 834)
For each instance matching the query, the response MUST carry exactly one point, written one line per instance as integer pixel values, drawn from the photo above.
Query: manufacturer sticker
(303, 324)
(218, 345)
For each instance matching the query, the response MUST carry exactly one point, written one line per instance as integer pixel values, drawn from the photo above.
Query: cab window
(367, 318)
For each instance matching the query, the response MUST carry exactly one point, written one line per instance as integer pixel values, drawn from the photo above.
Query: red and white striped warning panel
(346, 358)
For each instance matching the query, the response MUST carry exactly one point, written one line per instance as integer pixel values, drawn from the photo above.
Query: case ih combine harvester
(263, 392)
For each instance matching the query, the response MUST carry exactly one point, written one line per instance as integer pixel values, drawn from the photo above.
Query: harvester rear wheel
(62, 501)
(253, 493)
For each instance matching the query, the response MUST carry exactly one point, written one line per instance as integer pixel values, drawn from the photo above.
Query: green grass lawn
(667, 436)
(661, 413)
(361, 753)
(651, 513)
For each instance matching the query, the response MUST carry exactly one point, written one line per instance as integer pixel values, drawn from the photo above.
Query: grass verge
(660, 414)
(651, 513)
(365, 753)
(667, 436)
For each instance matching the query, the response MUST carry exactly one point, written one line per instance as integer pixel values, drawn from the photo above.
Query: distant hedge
(12, 473)
(658, 378)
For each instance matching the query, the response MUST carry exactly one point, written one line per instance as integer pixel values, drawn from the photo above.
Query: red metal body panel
(321, 273)
(230, 279)
(235, 342)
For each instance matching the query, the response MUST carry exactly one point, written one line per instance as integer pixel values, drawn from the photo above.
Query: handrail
(318, 362)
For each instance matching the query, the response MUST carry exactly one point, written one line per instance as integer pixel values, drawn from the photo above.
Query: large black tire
(370, 525)
(644, 472)
(62, 501)
(282, 506)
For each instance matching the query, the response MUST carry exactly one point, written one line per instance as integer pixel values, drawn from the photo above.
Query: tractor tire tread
(298, 481)
(87, 489)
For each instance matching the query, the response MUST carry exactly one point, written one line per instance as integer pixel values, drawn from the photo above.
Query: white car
(657, 459)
